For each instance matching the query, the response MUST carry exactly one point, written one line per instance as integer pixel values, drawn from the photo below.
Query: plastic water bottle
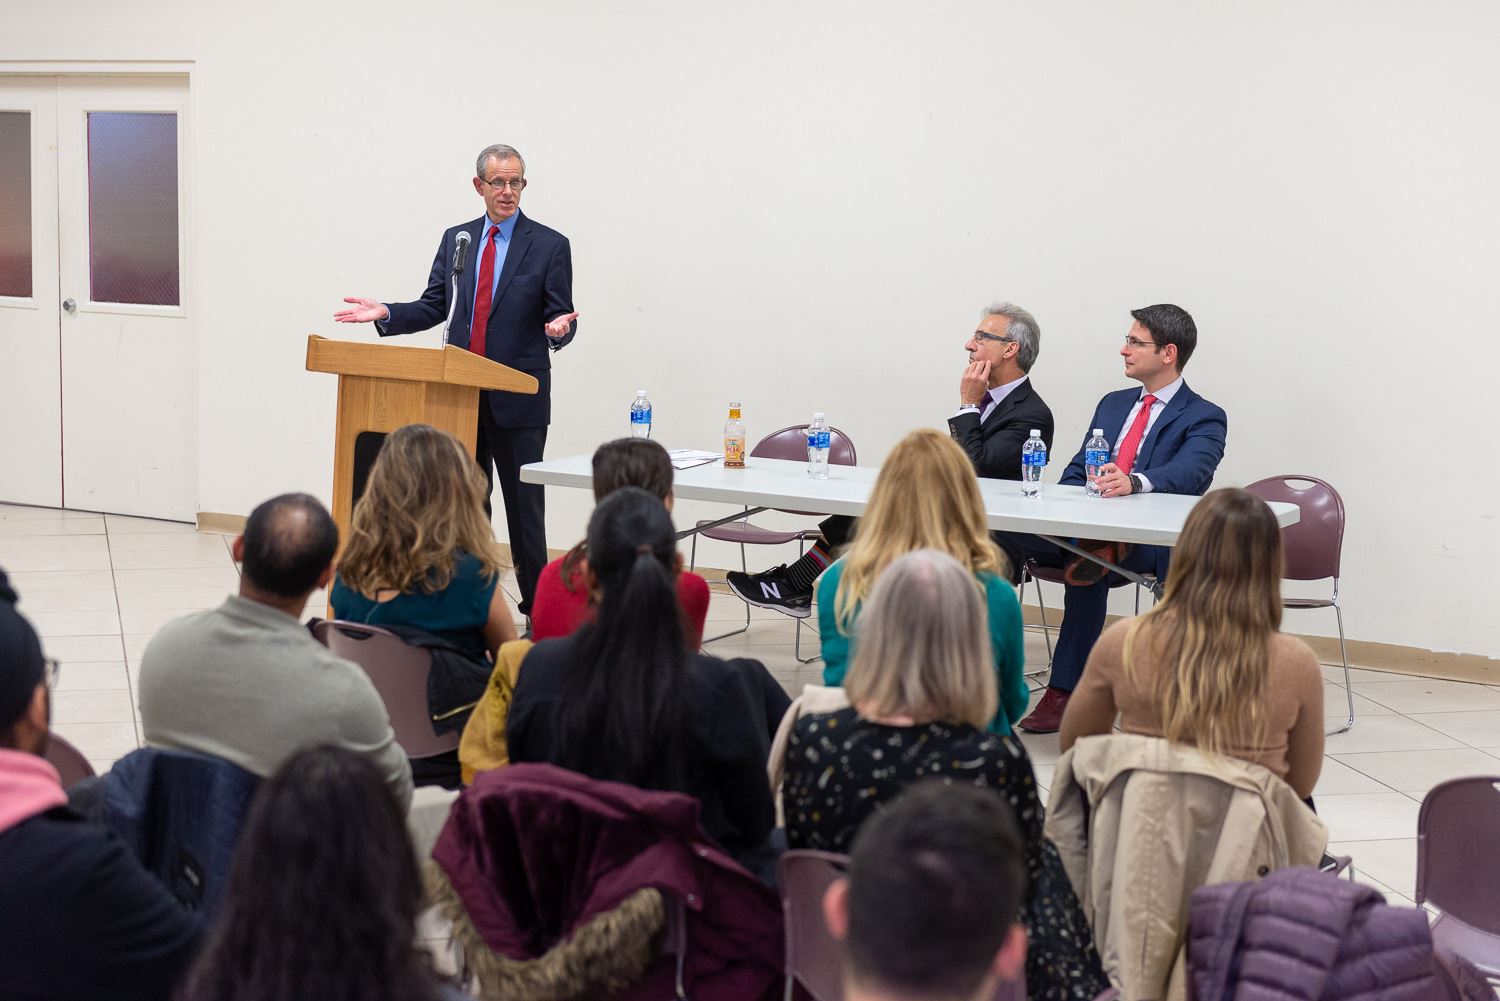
(817, 447)
(640, 415)
(734, 439)
(1095, 455)
(1033, 461)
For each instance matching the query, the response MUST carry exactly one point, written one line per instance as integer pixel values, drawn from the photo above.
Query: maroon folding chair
(1458, 838)
(1312, 547)
(72, 767)
(399, 672)
(788, 443)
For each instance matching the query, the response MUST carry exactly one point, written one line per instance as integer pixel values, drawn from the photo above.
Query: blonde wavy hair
(1209, 641)
(924, 648)
(422, 506)
(926, 497)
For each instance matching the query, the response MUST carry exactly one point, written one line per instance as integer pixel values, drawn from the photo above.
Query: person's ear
(326, 577)
(1169, 355)
(668, 500)
(1010, 961)
(479, 187)
(590, 581)
(237, 549)
(836, 909)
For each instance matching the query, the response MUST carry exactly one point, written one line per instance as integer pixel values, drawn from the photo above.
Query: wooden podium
(383, 387)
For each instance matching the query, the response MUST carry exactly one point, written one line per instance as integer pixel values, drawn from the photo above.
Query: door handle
(70, 306)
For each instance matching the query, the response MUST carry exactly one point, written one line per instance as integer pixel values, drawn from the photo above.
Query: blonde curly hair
(422, 507)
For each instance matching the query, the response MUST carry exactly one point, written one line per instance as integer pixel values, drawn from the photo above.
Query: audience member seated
(1167, 439)
(422, 562)
(81, 917)
(563, 601)
(625, 699)
(246, 681)
(1209, 666)
(927, 911)
(926, 497)
(998, 409)
(921, 690)
(324, 895)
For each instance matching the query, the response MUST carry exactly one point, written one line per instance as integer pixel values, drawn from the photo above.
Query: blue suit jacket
(535, 286)
(1180, 453)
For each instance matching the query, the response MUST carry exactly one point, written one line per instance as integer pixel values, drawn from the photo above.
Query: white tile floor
(97, 587)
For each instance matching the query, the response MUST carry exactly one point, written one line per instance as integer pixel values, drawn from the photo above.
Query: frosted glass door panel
(15, 204)
(133, 245)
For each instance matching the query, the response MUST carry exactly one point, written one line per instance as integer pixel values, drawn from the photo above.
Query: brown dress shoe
(1082, 572)
(1048, 714)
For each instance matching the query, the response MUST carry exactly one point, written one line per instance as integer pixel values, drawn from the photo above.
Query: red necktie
(1132, 443)
(484, 285)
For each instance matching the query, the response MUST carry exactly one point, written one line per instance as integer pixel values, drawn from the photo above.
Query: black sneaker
(771, 589)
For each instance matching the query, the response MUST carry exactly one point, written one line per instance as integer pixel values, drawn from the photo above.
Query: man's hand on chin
(975, 382)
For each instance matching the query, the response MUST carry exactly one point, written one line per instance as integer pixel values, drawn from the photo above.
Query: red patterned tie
(484, 286)
(1132, 443)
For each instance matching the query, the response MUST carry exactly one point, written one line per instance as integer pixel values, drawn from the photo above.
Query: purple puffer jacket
(1304, 935)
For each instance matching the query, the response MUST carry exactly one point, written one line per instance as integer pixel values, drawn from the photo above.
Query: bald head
(288, 545)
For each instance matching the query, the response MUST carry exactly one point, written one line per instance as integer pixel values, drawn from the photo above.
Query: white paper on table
(687, 458)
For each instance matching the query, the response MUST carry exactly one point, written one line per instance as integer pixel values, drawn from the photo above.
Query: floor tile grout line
(135, 721)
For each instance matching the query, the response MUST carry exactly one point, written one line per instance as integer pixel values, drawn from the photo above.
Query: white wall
(803, 205)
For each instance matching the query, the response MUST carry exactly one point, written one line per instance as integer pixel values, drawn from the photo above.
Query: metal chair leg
(1042, 611)
(1343, 653)
(746, 628)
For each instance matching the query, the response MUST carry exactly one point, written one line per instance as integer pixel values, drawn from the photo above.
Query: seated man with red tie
(1166, 438)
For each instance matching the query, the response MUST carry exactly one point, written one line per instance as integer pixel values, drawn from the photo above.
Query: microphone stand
(458, 269)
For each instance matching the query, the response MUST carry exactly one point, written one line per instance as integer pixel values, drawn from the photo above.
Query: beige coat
(1141, 823)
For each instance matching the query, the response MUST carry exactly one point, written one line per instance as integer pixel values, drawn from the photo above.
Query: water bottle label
(1036, 458)
(818, 439)
(1096, 456)
(642, 416)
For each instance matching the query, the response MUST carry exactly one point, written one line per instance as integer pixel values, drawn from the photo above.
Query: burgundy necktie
(1125, 460)
(484, 288)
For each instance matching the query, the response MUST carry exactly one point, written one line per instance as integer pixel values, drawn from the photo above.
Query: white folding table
(1059, 514)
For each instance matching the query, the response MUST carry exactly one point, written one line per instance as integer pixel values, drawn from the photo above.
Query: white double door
(98, 368)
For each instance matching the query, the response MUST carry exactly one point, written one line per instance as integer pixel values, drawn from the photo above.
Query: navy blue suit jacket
(536, 285)
(1180, 453)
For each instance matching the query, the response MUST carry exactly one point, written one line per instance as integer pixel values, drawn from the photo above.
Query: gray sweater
(248, 683)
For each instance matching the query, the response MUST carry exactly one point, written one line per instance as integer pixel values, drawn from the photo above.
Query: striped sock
(810, 566)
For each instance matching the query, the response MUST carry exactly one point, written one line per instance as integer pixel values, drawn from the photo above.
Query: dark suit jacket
(536, 285)
(994, 447)
(1181, 451)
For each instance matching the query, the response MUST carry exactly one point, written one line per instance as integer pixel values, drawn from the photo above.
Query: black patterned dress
(840, 768)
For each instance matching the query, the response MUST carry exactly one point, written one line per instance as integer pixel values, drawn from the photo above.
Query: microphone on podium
(460, 250)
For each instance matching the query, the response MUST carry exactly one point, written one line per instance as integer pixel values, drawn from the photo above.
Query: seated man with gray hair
(998, 409)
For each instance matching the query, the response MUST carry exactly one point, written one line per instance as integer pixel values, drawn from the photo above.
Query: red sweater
(557, 611)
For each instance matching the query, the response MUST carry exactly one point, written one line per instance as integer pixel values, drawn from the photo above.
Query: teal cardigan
(1005, 638)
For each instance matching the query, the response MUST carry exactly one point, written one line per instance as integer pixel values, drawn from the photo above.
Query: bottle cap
(817, 415)
(640, 392)
(1099, 432)
(1036, 432)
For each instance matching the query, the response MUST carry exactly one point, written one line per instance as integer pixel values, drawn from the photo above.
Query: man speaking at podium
(514, 303)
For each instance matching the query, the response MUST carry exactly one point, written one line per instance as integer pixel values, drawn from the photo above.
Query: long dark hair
(323, 898)
(630, 693)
